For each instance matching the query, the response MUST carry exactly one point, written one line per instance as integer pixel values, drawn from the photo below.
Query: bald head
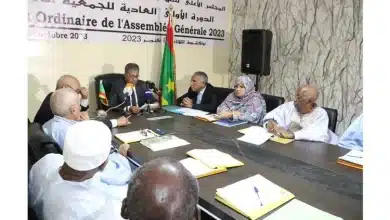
(68, 81)
(308, 93)
(161, 189)
(65, 103)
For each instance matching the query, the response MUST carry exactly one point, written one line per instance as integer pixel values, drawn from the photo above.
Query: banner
(137, 21)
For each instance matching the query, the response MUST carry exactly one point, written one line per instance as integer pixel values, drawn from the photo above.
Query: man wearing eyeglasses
(135, 89)
(45, 113)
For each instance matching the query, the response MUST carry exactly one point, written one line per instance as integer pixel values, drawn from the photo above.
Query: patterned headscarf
(234, 102)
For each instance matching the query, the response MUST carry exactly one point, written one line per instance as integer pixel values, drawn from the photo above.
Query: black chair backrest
(40, 144)
(108, 80)
(332, 115)
(222, 93)
(272, 101)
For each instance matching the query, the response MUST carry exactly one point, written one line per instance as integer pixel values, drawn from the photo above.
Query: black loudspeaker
(256, 51)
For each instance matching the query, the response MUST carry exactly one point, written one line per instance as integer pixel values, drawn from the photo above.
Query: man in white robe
(301, 119)
(69, 186)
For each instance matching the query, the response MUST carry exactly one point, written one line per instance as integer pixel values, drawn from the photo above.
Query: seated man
(69, 186)
(200, 95)
(137, 91)
(353, 136)
(44, 113)
(161, 189)
(65, 104)
(300, 119)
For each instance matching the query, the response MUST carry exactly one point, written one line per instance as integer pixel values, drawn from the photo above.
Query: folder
(253, 197)
(198, 169)
(209, 117)
(214, 158)
(353, 159)
(229, 123)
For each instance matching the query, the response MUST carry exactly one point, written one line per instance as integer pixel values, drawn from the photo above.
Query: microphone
(102, 113)
(148, 97)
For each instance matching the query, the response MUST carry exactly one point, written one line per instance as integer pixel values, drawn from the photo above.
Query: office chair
(332, 114)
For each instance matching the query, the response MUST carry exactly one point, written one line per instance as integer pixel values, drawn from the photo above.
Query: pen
(258, 196)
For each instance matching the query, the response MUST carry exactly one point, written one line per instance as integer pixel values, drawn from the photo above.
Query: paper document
(254, 196)
(255, 135)
(198, 169)
(298, 210)
(354, 156)
(192, 112)
(281, 140)
(135, 136)
(214, 158)
(163, 142)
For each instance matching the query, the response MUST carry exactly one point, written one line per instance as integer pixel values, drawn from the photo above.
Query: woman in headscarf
(244, 103)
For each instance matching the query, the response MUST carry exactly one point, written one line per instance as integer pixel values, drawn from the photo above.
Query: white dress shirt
(312, 126)
(200, 96)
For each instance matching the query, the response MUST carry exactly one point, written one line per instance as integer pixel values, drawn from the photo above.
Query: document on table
(159, 118)
(255, 135)
(135, 136)
(253, 197)
(298, 210)
(164, 142)
(214, 158)
(354, 156)
(198, 169)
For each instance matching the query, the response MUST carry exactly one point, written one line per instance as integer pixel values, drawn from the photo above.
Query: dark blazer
(209, 101)
(44, 113)
(117, 96)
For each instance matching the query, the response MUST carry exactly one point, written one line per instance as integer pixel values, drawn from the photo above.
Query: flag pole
(170, 8)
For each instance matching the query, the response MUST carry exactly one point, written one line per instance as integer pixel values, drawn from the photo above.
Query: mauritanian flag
(168, 72)
(102, 94)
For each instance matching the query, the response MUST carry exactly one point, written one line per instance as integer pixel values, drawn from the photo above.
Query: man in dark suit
(44, 113)
(200, 95)
(134, 88)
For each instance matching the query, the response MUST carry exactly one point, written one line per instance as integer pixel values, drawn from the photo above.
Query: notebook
(229, 123)
(164, 142)
(198, 169)
(298, 210)
(253, 197)
(354, 159)
(135, 136)
(214, 158)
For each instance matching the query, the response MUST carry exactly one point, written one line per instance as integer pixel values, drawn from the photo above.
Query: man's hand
(187, 102)
(271, 126)
(223, 115)
(84, 93)
(281, 132)
(236, 113)
(134, 109)
(123, 148)
(84, 116)
(122, 121)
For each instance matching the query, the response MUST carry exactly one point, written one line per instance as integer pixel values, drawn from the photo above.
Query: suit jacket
(117, 96)
(209, 100)
(44, 113)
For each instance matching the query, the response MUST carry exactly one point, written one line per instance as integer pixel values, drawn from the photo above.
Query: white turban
(87, 145)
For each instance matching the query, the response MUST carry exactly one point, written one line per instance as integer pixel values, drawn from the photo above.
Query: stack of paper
(354, 159)
(163, 142)
(207, 162)
(135, 136)
(253, 197)
(298, 210)
(210, 117)
(255, 135)
(261, 131)
(185, 111)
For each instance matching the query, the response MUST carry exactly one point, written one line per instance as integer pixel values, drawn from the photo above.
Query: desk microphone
(102, 113)
(148, 97)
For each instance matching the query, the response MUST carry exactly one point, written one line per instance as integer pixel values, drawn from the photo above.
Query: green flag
(102, 94)
(168, 75)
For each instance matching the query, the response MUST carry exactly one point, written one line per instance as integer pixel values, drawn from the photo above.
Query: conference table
(306, 169)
